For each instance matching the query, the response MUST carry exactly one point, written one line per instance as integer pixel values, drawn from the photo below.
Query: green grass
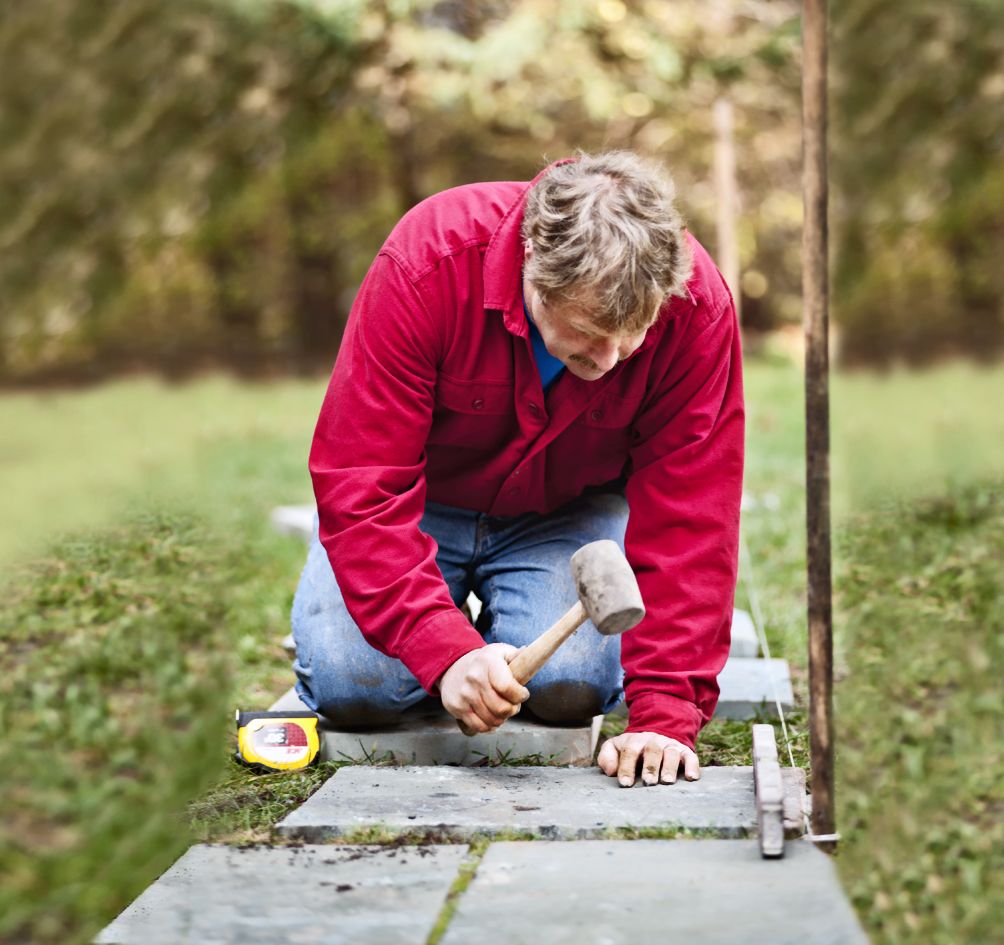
(115, 674)
(68, 457)
(465, 875)
(125, 647)
(919, 718)
(129, 640)
(242, 807)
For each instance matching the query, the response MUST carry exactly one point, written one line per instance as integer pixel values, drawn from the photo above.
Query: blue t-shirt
(548, 365)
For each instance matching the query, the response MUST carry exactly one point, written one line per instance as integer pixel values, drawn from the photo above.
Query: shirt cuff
(664, 714)
(434, 646)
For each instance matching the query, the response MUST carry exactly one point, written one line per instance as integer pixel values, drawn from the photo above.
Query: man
(526, 368)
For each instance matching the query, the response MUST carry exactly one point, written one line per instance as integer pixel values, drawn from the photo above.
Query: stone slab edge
(434, 740)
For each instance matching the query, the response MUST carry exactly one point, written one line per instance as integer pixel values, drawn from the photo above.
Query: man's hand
(480, 690)
(660, 757)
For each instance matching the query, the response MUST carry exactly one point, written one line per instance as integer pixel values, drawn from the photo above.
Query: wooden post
(726, 198)
(815, 290)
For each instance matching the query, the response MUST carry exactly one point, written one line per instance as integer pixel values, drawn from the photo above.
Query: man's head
(604, 249)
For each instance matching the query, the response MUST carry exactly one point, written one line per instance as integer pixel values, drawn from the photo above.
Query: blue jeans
(518, 567)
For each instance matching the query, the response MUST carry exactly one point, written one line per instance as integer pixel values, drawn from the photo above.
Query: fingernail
(625, 782)
(647, 780)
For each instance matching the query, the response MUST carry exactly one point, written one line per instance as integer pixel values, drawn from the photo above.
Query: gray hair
(605, 233)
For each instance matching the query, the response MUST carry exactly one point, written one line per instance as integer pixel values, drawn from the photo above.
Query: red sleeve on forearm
(683, 531)
(367, 464)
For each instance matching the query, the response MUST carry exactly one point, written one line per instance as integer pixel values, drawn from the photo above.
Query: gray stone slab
(310, 895)
(295, 520)
(744, 638)
(711, 892)
(429, 736)
(748, 686)
(554, 803)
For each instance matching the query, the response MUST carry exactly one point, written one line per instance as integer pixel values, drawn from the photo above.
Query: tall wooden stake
(726, 199)
(815, 291)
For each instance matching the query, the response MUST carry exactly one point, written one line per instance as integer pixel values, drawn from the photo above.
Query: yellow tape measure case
(277, 741)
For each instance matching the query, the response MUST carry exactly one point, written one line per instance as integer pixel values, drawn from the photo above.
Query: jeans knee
(566, 702)
(360, 713)
(359, 700)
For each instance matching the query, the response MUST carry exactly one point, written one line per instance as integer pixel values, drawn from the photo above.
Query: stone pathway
(545, 890)
(560, 887)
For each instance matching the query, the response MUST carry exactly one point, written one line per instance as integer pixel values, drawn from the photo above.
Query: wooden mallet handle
(530, 658)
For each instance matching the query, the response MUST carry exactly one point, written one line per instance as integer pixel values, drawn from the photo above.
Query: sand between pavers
(623, 892)
(557, 803)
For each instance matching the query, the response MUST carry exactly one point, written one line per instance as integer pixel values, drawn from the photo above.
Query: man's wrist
(664, 714)
(434, 646)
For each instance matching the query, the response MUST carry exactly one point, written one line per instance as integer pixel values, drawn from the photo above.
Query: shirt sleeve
(682, 536)
(367, 463)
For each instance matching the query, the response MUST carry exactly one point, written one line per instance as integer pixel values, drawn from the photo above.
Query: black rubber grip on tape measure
(244, 717)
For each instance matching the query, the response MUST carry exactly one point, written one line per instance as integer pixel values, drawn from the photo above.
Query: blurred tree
(204, 182)
(919, 177)
(133, 127)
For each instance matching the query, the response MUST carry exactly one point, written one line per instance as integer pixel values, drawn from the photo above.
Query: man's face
(570, 334)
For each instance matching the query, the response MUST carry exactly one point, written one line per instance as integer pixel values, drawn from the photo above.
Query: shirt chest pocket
(472, 414)
(603, 433)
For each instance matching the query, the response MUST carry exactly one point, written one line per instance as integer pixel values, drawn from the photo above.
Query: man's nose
(605, 354)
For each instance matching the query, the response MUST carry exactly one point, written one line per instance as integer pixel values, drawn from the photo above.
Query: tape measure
(277, 741)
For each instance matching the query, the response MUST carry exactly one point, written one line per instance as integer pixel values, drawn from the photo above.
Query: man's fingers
(488, 719)
(474, 722)
(609, 755)
(670, 764)
(504, 683)
(628, 766)
(691, 765)
(660, 757)
(651, 762)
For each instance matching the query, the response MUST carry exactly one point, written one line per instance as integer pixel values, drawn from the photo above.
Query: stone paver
(309, 895)
(555, 803)
(746, 688)
(295, 520)
(744, 638)
(429, 736)
(707, 892)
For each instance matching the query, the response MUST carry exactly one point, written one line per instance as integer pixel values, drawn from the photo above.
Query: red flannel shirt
(435, 395)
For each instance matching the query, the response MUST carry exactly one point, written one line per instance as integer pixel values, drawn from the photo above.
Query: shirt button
(534, 409)
(596, 415)
(477, 403)
(516, 473)
(515, 492)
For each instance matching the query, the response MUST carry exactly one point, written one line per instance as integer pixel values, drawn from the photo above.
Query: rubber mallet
(608, 595)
